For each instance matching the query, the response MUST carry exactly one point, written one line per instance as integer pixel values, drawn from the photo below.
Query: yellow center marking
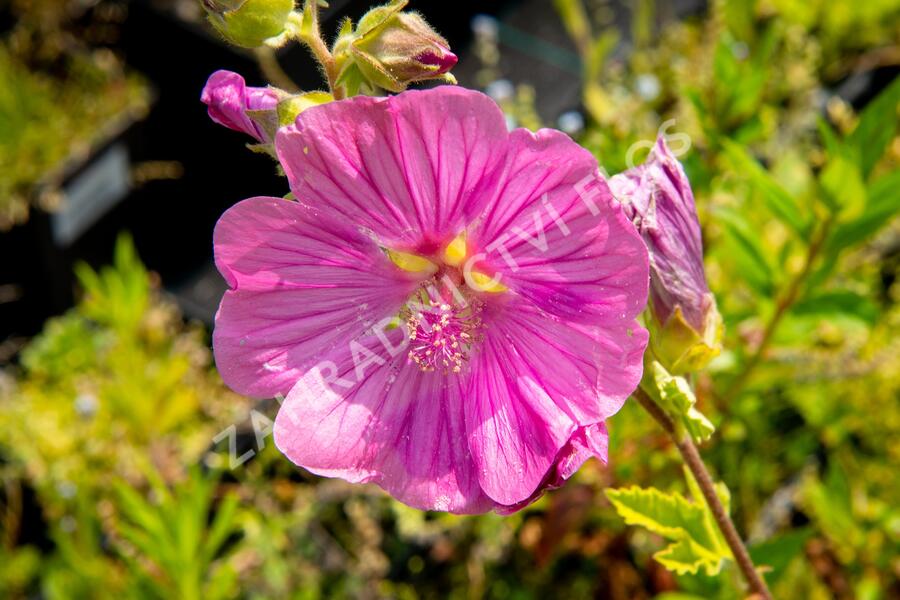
(411, 262)
(455, 252)
(484, 283)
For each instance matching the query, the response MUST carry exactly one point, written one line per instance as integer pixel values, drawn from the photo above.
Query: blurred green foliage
(798, 195)
(113, 486)
(59, 98)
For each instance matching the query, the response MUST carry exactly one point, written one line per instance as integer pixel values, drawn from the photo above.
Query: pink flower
(449, 307)
(231, 103)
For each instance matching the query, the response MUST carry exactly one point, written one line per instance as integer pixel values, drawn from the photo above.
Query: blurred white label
(91, 194)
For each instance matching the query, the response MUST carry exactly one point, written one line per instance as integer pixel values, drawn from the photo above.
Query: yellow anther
(455, 252)
(484, 283)
(411, 262)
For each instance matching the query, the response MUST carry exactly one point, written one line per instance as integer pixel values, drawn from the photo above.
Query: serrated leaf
(780, 203)
(685, 556)
(672, 516)
(675, 396)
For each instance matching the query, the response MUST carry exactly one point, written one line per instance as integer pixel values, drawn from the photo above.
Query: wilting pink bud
(657, 196)
(393, 49)
(252, 110)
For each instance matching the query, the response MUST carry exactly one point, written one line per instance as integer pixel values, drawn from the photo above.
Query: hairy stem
(318, 48)
(785, 301)
(694, 462)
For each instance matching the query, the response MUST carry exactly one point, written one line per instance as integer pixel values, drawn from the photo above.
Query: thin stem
(272, 71)
(785, 301)
(319, 49)
(694, 462)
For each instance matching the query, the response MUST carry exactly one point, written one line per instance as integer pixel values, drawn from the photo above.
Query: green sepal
(291, 106)
(674, 394)
(254, 22)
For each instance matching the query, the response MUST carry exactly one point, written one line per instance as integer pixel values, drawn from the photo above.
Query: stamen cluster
(441, 335)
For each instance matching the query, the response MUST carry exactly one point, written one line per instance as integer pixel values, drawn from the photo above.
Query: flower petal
(228, 98)
(387, 423)
(301, 284)
(586, 442)
(558, 238)
(535, 380)
(414, 168)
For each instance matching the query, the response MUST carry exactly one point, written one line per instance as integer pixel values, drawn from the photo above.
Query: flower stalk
(691, 456)
(309, 32)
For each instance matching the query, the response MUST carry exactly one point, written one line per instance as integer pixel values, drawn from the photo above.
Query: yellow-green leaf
(696, 543)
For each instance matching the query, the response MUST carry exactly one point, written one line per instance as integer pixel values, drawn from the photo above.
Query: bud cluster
(390, 49)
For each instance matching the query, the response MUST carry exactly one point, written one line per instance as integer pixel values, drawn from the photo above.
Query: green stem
(694, 462)
(311, 35)
(785, 301)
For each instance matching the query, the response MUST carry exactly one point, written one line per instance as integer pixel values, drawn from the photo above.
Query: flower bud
(251, 110)
(686, 327)
(393, 49)
(249, 23)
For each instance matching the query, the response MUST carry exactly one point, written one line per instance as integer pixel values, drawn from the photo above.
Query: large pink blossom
(449, 307)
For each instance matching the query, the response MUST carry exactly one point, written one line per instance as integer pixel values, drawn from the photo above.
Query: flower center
(442, 332)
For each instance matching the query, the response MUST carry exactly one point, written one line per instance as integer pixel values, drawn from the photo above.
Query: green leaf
(876, 128)
(745, 246)
(780, 203)
(830, 505)
(843, 189)
(882, 205)
(685, 556)
(838, 303)
(223, 525)
(695, 545)
(777, 553)
(833, 143)
(675, 396)
(724, 497)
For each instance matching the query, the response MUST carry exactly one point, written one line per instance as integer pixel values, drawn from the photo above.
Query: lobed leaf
(686, 524)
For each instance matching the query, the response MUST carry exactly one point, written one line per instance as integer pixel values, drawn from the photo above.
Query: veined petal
(591, 441)
(388, 423)
(301, 284)
(588, 370)
(534, 382)
(558, 237)
(413, 168)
